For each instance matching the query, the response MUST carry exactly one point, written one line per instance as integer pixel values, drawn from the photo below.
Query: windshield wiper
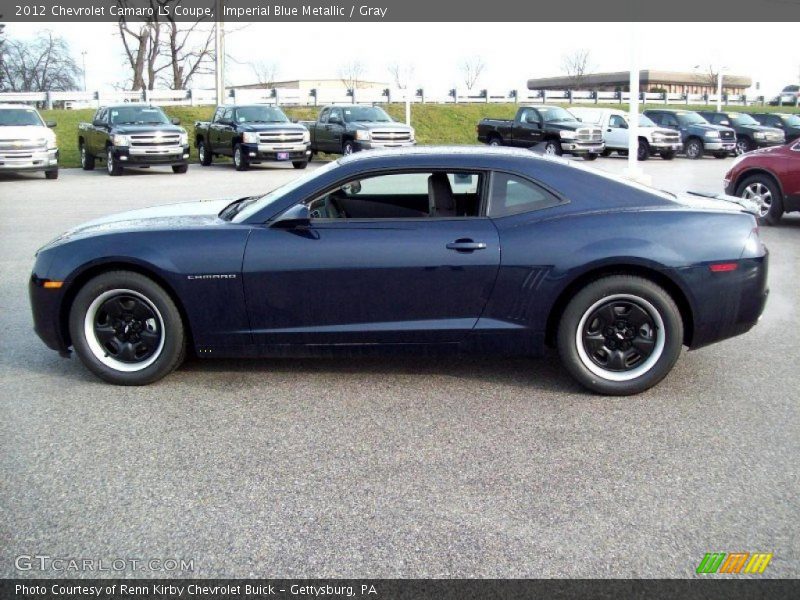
(235, 207)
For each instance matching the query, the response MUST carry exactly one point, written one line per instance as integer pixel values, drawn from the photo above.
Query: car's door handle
(466, 246)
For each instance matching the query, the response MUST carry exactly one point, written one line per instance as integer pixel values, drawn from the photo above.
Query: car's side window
(410, 195)
(617, 121)
(101, 115)
(228, 114)
(511, 195)
(670, 121)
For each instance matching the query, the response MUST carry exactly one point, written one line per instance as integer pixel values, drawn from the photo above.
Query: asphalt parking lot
(390, 467)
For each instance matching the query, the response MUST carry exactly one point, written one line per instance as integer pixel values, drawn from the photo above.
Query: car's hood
(271, 127)
(24, 132)
(570, 125)
(169, 216)
(390, 126)
(133, 129)
(708, 127)
(763, 128)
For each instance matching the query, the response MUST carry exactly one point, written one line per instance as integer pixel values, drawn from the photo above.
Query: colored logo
(736, 562)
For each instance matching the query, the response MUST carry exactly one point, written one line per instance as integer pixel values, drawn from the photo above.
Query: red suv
(771, 177)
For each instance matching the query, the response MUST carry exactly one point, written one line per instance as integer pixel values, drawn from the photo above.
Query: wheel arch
(758, 171)
(84, 275)
(646, 272)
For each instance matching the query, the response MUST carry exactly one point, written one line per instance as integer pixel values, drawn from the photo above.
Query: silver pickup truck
(27, 143)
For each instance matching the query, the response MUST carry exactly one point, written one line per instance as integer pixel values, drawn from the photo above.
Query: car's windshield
(13, 117)
(555, 114)
(255, 204)
(691, 118)
(260, 114)
(742, 119)
(792, 120)
(137, 115)
(366, 114)
(645, 121)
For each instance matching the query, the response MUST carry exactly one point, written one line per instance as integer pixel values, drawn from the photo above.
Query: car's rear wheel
(668, 154)
(87, 160)
(180, 168)
(51, 174)
(720, 155)
(762, 190)
(643, 150)
(300, 164)
(606, 152)
(553, 148)
(240, 159)
(203, 153)
(495, 140)
(126, 329)
(694, 149)
(591, 156)
(620, 335)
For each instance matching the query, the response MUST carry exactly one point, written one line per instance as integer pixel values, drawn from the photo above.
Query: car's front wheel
(300, 164)
(694, 149)
(553, 148)
(241, 161)
(620, 335)
(763, 190)
(112, 164)
(126, 329)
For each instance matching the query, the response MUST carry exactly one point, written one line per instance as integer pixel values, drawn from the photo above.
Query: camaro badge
(213, 276)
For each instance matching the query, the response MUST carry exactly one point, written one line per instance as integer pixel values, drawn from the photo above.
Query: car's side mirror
(724, 122)
(99, 123)
(51, 124)
(175, 121)
(296, 216)
(335, 120)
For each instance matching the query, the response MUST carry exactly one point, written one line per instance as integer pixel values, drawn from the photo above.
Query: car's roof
(130, 105)
(441, 151)
(15, 105)
(671, 110)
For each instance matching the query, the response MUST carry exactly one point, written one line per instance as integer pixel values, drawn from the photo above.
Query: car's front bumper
(278, 152)
(718, 146)
(661, 146)
(573, 147)
(46, 310)
(768, 143)
(39, 160)
(376, 145)
(151, 155)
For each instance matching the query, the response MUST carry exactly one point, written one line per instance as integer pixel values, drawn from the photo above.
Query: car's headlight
(52, 144)
(567, 135)
(712, 134)
(184, 141)
(306, 136)
(362, 135)
(120, 140)
(250, 137)
(760, 135)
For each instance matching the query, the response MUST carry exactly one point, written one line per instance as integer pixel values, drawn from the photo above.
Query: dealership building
(673, 82)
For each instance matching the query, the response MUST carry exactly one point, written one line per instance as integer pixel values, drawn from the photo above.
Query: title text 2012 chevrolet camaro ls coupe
(494, 250)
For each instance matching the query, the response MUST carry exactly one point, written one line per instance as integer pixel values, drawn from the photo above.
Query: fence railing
(322, 96)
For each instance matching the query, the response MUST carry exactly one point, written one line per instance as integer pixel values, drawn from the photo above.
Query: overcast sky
(513, 52)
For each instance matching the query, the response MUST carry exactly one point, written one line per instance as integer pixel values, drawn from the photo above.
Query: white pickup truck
(27, 143)
(614, 124)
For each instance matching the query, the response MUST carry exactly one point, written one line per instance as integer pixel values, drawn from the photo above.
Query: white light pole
(410, 89)
(219, 54)
(83, 57)
(719, 91)
(633, 171)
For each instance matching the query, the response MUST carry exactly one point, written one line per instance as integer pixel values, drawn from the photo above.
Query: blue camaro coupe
(490, 250)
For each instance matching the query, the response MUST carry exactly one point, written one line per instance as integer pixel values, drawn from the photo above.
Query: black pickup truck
(252, 134)
(348, 128)
(750, 134)
(133, 135)
(558, 130)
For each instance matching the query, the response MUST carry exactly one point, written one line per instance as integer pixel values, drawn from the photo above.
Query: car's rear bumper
(727, 304)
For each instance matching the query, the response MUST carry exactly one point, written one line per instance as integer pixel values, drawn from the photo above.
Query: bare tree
(2, 56)
(265, 71)
(708, 77)
(576, 65)
(401, 74)
(160, 49)
(352, 74)
(42, 64)
(471, 70)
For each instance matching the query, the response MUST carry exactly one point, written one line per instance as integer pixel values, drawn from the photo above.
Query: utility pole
(219, 53)
(633, 171)
(83, 56)
(719, 91)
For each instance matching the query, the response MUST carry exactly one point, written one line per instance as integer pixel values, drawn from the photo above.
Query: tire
(694, 149)
(300, 164)
(51, 174)
(153, 341)
(202, 152)
(112, 166)
(605, 153)
(348, 147)
(590, 157)
(180, 169)
(744, 145)
(240, 160)
(553, 148)
(720, 155)
(495, 140)
(643, 150)
(631, 352)
(765, 192)
(668, 154)
(87, 160)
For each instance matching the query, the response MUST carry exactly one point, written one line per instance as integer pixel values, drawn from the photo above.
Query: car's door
(527, 130)
(334, 130)
(97, 133)
(214, 127)
(616, 134)
(373, 267)
(321, 131)
(791, 184)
